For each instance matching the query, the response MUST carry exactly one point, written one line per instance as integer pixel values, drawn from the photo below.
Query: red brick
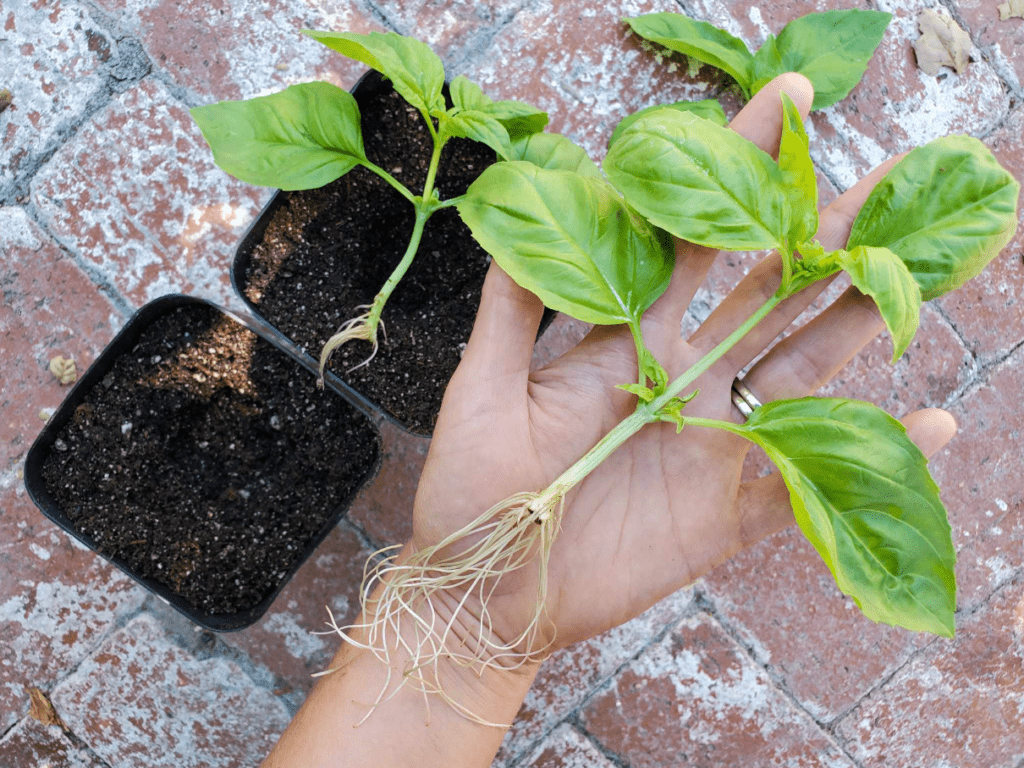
(782, 602)
(449, 28)
(137, 195)
(50, 308)
(31, 744)
(695, 698)
(233, 50)
(989, 310)
(288, 640)
(567, 678)
(55, 63)
(980, 473)
(565, 747)
(57, 601)
(897, 106)
(579, 62)
(142, 700)
(384, 508)
(960, 702)
(1003, 41)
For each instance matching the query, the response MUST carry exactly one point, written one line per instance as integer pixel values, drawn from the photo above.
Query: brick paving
(108, 198)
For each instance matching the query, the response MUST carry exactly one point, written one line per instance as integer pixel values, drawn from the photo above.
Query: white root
(358, 328)
(403, 617)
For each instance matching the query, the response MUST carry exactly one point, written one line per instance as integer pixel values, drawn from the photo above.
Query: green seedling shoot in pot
(308, 135)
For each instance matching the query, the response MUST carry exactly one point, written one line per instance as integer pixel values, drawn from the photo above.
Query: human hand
(663, 509)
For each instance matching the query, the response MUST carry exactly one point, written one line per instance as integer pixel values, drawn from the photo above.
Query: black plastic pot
(179, 396)
(393, 383)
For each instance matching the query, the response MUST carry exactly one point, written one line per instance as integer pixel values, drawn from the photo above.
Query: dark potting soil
(330, 250)
(208, 460)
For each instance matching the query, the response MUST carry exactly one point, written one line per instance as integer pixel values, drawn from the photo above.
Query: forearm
(401, 731)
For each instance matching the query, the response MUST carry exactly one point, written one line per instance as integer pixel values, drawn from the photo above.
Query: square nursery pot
(314, 257)
(201, 459)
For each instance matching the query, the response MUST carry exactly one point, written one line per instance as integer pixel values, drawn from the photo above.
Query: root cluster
(400, 600)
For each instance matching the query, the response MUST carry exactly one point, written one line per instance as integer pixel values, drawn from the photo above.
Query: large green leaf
(798, 174)
(554, 152)
(518, 118)
(300, 138)
(413, 69)
(879, 273)
(701, 182)
(709, 109)
(946, 209)
(831, 49)
(700, 40)
(570, 239)
(862, 495)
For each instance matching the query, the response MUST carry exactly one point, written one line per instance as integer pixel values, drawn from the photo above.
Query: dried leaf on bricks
(942, 43)
(41, 709)
(63, 369)
(1014, 9)
(6, 97)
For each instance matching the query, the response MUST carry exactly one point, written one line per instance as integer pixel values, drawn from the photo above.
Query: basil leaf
(701, 182)
(880, 274)
(767, 65)
(798, 174)
(518, 119)
(709, 109)
(481, 127)
(831, 49)
(862, 495)
(555, 152)
(946, 209)
(569, 239)
(300, 138)
(700, 40)
(413, 69)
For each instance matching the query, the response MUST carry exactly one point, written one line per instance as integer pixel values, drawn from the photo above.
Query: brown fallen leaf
(1014, 9)
(63, 369)
(942, 43)
(41, 709)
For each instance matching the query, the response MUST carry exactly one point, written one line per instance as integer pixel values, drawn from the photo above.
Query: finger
(505, 329)
(809, 358)
(760, 122)
(763, 280)
(764, 504)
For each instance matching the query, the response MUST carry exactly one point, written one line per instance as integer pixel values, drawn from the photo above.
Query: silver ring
(743, 398)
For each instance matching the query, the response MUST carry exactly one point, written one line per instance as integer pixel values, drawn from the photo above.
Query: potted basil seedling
(362, 256)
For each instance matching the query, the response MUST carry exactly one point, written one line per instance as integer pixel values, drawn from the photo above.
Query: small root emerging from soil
(358, 328)
(403, 616)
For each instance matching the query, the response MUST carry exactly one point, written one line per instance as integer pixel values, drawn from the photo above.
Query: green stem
(647, 413)
(390, 180)
(728, 426)
(425, 207)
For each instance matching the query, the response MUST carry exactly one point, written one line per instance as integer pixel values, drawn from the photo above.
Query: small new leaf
(879, 273)
(517, 118)
(709, 109)
(303, 137)
(482, 127)
(798, 174)
(942, 43)
(646, 394)
(672, 411)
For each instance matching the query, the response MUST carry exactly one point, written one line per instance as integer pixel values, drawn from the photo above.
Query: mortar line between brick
(572, 716)
(118, 302)
(981, 376)
(707, 605)
(610, 755)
